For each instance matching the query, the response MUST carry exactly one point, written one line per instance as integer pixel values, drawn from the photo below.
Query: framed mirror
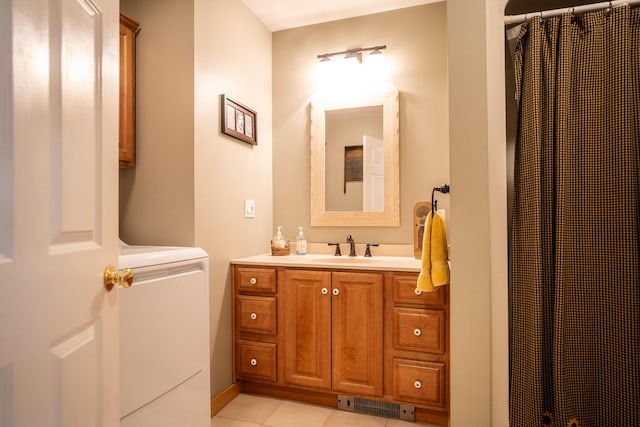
(355, 173)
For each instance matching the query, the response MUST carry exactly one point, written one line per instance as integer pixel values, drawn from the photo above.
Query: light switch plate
(249, 208)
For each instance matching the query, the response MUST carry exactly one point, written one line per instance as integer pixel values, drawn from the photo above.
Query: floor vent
(376, 407)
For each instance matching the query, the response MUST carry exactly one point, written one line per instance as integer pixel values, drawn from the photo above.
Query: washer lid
(132, 256)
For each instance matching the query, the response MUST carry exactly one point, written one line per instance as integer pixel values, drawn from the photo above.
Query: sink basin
(347, 260)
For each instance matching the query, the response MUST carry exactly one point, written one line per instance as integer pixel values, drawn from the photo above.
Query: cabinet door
(357, 318)
(308, 328)
(128, 28)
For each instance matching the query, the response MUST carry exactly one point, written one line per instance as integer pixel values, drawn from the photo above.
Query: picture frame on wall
(238, 120)
(353, 164)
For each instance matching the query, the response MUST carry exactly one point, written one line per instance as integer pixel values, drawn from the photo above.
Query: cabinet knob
(253, 362)
(336, 291)
(417, 384)
(418, 291)
(325, 291)
(253, 281)
(417, 332)
(253, 316)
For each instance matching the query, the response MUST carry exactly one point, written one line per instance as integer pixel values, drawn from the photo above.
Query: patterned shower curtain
(575, 284)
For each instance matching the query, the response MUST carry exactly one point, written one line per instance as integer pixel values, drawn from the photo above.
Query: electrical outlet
(249, 208)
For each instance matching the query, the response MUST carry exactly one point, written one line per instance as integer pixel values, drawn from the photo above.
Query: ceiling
(283, 14)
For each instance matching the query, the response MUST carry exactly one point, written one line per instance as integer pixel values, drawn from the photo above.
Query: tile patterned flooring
(257, 411)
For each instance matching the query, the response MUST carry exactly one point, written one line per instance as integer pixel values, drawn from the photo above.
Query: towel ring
(444, 189)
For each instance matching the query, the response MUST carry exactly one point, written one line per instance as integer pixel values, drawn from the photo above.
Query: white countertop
(322, 261)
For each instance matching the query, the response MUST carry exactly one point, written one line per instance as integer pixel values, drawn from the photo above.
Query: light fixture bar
(325, 56)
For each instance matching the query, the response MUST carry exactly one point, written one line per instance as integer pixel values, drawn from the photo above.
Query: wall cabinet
(127, 119)
(311, 334)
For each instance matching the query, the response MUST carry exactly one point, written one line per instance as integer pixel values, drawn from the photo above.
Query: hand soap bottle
(278, 240)
(301, 243)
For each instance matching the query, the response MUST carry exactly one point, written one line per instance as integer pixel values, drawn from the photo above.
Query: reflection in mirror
(355, 159)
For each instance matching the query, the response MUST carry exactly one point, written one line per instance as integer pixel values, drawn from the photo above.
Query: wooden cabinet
(333, 332)
(256, 329)
(256, 360)
(417, 345)
(419, 382)
(127, 140)
(357, 316)
(313, 334)
(307, 306)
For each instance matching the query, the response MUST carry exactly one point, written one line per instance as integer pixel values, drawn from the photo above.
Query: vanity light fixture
(352, 53)
(347, 72)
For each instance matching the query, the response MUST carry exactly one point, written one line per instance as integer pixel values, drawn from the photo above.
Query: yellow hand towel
(435, 267)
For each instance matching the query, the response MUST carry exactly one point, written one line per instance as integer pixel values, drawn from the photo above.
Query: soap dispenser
(278, 240)
(301, 243)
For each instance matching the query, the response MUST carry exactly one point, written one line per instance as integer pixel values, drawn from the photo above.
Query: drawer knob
(253, 316)
(336, 291)
(325, 291)
(417, 332)
(417, 384)
(253, 281)
(418, 291)
(253, 362)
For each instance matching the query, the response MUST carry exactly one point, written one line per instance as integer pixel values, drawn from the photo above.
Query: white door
(372, 174)
(58, 212)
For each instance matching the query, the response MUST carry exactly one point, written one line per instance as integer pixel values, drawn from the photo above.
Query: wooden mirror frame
(390, 217)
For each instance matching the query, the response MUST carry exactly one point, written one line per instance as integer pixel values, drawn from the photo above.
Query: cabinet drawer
(419, 382)
(405, 292)
(256, 314)
(256, 280)
(256, 360)
(419, 330)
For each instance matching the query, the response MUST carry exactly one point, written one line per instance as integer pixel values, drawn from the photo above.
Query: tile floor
(257, 411)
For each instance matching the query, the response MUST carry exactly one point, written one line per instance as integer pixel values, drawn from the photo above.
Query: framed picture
(352, 164)
(238, 121)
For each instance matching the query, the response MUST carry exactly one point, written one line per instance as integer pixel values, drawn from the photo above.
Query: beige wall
(190, 181)
(417, 46)
(232, 56)
(156, 197)
(479, 309)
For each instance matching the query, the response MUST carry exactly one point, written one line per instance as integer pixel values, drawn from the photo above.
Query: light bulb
(376, 67)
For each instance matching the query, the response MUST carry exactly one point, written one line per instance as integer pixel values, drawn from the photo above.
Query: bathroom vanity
(326, 330)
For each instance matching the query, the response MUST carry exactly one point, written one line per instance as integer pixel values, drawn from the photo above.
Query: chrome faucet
(352, 245)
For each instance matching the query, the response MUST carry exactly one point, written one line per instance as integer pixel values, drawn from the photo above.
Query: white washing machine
(164, 338)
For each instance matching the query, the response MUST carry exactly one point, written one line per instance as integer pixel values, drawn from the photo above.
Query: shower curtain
(575, 275)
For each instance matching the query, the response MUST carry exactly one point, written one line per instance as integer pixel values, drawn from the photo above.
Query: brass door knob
(112, 277)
